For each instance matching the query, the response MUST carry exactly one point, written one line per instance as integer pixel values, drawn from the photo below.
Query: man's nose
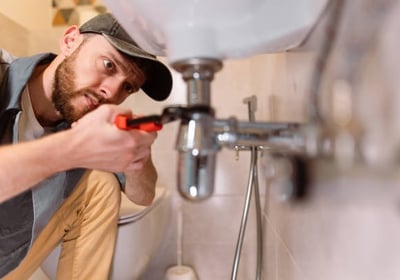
(111, 89)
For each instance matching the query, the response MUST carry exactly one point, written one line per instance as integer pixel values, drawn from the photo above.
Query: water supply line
(252, 185)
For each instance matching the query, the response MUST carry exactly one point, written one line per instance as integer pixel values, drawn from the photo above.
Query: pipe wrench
(149, 123)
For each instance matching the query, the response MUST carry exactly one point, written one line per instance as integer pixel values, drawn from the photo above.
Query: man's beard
(65, 92)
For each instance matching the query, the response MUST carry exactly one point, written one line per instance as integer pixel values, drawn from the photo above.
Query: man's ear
(70, 40)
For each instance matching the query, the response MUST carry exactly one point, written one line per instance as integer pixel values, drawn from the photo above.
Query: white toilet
(140, 232)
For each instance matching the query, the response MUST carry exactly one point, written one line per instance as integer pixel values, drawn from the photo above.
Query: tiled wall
(344, 230)
(348, 225)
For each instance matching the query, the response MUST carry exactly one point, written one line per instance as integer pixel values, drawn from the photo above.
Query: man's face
(95, 73)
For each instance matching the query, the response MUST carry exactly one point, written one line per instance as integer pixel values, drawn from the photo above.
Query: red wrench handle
(127, 123)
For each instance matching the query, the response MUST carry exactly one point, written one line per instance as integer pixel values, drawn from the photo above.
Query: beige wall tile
(345, 230)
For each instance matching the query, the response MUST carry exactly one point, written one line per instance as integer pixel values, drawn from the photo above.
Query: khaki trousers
(86, 224)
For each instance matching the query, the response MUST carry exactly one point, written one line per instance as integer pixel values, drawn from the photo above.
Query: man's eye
(129, 88)
(108, 64)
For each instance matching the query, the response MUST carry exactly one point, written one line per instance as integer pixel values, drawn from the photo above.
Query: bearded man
(63, 162)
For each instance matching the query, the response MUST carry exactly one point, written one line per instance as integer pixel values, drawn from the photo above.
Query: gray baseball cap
(158, 83)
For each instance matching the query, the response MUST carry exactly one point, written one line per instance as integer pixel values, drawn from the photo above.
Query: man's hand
(106, 147)
(101, 145)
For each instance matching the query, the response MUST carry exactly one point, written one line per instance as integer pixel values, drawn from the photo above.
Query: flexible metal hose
(252, 184)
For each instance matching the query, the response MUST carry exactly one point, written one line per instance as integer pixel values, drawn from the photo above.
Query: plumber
(63, 162)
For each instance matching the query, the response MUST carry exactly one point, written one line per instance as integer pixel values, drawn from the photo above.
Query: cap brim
(158, 83)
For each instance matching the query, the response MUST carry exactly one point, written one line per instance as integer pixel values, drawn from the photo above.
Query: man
(60, 149)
